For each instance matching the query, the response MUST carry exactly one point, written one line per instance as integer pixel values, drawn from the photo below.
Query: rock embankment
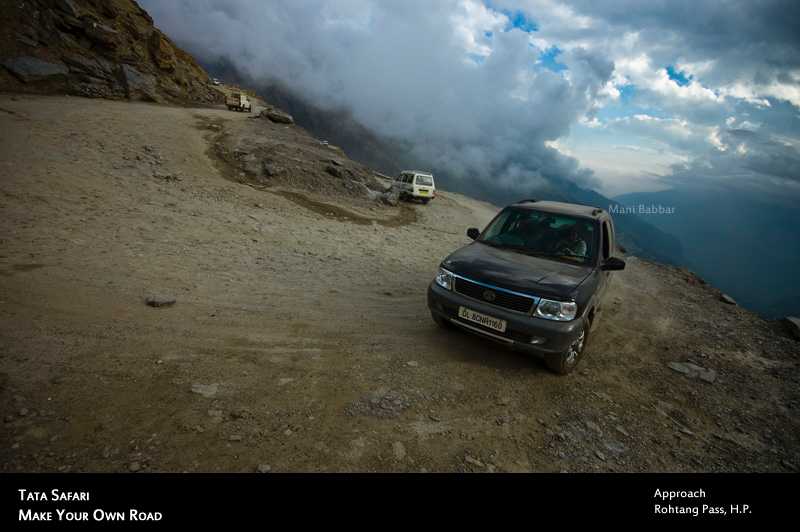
(95, 48)
(270, 150)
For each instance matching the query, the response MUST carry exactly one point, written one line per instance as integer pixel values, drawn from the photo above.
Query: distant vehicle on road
(238, 101)
(215, 81)
(413, 184)
(535, 279)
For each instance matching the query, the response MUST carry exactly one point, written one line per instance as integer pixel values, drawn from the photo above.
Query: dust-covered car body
(516, 284)
(413, 184)
(238, 101)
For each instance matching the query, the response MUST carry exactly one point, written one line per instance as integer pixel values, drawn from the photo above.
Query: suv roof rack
(596, 212)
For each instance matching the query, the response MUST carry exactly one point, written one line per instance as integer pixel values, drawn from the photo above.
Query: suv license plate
(482, 319)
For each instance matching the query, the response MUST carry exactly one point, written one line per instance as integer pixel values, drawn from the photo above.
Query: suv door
(606, 250)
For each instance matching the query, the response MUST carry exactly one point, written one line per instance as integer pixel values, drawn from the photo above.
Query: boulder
(138, 86)
(28, 31)
(95, 67)
(271, 169)
(335, 171)
(28, 69)
(107, 67)
(142, 13)
(67, 7)
(91, 88)
(46, 26)
(794, 326)
(335, 148)
(277, 116)
(108, 10)
(391, 197)
(158, 300)
(693, 371)
(101, 34)
(68, 41)
(27, 41)
(69, 23)
(680, 367)
(361, 189)
(162, 52)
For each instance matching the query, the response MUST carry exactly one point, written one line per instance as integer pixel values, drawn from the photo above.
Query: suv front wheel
(564, 363)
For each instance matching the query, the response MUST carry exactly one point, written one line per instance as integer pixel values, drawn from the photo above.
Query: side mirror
(612, 264)
(473, 232)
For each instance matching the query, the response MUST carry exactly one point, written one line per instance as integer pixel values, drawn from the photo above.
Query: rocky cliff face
(95, 48)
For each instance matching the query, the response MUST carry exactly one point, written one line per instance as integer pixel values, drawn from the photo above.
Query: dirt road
(300, 339)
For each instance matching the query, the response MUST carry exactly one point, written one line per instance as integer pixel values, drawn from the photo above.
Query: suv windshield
(543, 234)
(425, 180)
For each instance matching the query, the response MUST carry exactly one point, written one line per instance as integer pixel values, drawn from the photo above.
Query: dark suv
(534, 279)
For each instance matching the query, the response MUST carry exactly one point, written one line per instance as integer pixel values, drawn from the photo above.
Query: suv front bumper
(523, 332)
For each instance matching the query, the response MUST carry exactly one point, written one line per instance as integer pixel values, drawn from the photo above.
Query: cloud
(762, 167)
(483, 89)
(697, 70)
(672, 133)
(458, 79)
(735, 41)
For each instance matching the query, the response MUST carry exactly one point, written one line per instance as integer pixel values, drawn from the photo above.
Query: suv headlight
(556, 310)
(444, 279)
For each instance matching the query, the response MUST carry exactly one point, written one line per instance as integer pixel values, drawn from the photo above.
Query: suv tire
(564, 363)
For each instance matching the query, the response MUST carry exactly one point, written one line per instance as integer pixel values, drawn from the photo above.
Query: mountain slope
(95, 48)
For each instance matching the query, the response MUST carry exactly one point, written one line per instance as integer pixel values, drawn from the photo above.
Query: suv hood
(523, 273)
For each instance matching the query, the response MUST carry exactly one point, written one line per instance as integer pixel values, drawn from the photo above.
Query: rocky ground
(270, 150)
(293, 333)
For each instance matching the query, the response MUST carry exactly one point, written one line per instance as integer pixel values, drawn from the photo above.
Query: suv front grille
(501, 299)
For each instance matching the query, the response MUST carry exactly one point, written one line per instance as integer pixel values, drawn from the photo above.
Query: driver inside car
(573, 244)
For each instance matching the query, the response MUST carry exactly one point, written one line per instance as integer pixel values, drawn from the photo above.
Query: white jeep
(415, 185)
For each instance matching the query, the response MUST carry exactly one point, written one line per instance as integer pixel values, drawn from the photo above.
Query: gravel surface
(299, 338)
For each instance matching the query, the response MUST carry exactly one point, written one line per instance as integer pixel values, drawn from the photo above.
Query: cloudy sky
(621, 96)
